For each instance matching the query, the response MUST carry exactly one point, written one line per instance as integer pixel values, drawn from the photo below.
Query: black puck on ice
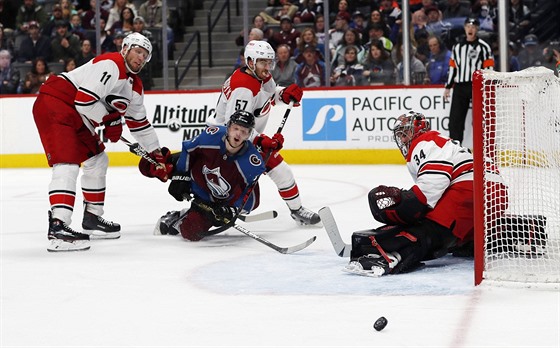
(380, 323)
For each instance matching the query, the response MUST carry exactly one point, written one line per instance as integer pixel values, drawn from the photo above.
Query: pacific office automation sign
(365, 118)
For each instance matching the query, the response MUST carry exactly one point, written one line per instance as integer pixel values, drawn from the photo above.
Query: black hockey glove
(223, 215)
(180, 186)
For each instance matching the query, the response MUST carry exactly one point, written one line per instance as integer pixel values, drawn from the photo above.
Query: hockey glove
(266, 144)
(113, 126)
(160, 171)
(292, 92)
(180, 186)
(393, 206)
(223, 215)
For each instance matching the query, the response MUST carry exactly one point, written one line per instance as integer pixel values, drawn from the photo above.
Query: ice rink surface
(231, 291)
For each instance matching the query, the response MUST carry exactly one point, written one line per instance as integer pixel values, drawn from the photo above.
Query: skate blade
(58, 245)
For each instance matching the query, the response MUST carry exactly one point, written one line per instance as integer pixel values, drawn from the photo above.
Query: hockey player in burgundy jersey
(218, 169)
(253, 89)
(431, 218)
(67, 111)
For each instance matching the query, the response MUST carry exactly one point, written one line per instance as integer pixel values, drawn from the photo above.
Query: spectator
(337, 33)
(456, 9)
(76, 27)
(438, 61)
(64, 45)
(311, 72)
(375, 33)
(115, 12)
(519, 20)
(67, 9)
(6, 41)
(30, 12)
(139, 26)
(308, 37)
(391, 14)
(343, 9)
(378, 66)
(376, 17)
(9, 76)
(358, 22)
(88, 19)
(351, 72)
(319, 27)
(35, 45)
(36, 77)
(531, 54)
(287, 35)
(351, 38)
(283, 72)
(125, 24)
(307, 11)
(151, 11)
(69, 64)
(435, 25)
(85, 54)
(287, 10)
(49, 29)
(105, 38)
(258, 22)
(417, 69)
(513, 63)
(117, 44)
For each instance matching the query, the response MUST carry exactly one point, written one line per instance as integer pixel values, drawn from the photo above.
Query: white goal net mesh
(521, 134)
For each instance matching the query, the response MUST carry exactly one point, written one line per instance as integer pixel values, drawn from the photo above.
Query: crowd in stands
(39, 38)
(365, 39)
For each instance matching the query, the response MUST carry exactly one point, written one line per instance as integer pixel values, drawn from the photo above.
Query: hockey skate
(63, 238)
(373, 265)
(99, 228)
(304, 216)
(166, 223)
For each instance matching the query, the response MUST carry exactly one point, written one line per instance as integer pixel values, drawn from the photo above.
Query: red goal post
(516, 128)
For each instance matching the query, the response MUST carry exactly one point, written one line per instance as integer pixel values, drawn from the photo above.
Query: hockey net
(516, 130)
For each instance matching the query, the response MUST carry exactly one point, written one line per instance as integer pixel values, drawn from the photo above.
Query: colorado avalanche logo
(118, 103)
(255, 160)
(218, 186)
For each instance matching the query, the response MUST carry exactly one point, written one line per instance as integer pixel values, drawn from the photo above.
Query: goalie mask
(136, 40)
(407, 128)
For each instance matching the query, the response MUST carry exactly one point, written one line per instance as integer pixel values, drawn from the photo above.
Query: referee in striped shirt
(467, 56)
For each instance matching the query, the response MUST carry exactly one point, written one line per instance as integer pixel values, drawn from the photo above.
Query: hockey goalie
(432, 218)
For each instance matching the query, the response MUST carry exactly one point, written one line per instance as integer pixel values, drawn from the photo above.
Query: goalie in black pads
(428, 220)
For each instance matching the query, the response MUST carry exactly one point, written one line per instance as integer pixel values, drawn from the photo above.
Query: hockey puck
(380, 323)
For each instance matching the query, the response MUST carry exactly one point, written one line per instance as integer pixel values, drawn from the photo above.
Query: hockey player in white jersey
(67, 111)
(253, 89)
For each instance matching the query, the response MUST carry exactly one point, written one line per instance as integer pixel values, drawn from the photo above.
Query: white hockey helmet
(258, 50)
(136, 39)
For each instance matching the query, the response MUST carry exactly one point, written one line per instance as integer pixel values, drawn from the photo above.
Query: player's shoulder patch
(212, 130)
(255, 160)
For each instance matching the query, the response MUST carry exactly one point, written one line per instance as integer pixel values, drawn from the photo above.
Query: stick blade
(267, 215)
(293, 249)
(342, 249)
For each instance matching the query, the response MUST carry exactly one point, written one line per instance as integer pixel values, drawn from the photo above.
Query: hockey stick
(138, 150)
(267, 215)
(282, 250)
(342, 249)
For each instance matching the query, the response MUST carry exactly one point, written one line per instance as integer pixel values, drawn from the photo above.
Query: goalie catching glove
(266, 144)
(393, 206)
(292, 92)
(160, 171)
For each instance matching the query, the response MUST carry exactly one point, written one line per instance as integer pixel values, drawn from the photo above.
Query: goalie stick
(282, 250)
(342, 249)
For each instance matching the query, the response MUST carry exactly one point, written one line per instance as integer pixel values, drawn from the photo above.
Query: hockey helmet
(408, 127)
(242, 118)
(136, 39)
(258, 50)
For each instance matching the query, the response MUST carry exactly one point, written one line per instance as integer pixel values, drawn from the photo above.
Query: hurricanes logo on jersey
(324, 119)
(118, 103)
(218, 186)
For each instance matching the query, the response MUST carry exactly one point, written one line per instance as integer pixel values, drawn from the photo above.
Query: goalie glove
(160, 171)
(393, 206)
(180, 186)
